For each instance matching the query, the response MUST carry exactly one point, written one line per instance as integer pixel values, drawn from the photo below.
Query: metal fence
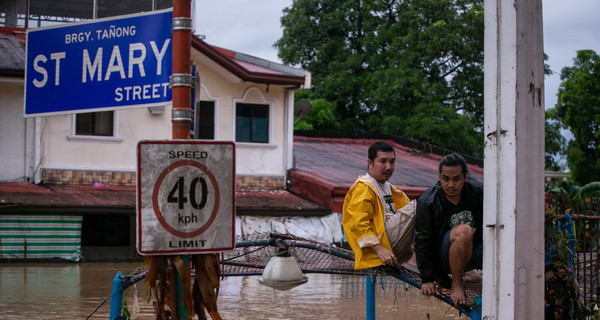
(586, 222)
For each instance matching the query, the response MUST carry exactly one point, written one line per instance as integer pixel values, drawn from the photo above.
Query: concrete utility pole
(513, 279)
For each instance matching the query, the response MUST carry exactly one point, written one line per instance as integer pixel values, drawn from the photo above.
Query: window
(252, 123)
(205, 120)
(95, 124)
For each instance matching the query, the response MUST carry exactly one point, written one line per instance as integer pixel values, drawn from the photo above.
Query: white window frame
(114, 138)
(262, 100)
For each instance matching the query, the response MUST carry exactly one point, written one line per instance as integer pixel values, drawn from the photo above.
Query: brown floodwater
(73, 291)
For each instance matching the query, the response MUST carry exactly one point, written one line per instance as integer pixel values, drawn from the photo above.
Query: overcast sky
(252, 27)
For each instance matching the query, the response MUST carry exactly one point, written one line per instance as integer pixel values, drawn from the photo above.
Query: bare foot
(472, 276)
(457, 293)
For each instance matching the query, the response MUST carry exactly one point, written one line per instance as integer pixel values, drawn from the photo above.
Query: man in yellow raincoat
(377, 217)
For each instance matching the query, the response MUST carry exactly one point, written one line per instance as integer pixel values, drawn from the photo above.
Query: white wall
(60, 151)
(63, 151)
(16, 134)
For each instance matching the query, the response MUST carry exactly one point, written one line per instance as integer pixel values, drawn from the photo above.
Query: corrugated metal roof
(12, 55)
(16, 197)
(340, 161)
(325, 168)
(275, 203)
(249, 68)
(23, 197)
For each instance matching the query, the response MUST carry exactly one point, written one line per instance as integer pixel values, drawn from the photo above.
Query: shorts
(476, 261)
(400, 230)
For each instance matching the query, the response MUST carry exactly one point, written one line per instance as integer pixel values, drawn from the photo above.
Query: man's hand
(429, 288)
(385, 255)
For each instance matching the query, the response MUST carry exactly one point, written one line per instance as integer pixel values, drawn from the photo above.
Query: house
(83, 165)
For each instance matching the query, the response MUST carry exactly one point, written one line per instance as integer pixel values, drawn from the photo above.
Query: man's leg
(460, 252)
(400, 229)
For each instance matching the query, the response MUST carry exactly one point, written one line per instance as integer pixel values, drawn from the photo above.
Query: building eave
(229, 64)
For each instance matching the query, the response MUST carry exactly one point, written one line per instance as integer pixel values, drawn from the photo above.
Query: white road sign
(185, 192)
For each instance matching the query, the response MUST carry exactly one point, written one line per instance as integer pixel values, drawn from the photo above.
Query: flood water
(74, 291)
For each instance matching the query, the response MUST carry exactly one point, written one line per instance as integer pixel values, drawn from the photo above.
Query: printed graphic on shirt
(390, 203)
(463, 217)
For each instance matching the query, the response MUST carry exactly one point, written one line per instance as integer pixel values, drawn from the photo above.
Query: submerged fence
(585, 213)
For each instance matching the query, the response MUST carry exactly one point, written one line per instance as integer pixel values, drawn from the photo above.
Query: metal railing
(585, 213)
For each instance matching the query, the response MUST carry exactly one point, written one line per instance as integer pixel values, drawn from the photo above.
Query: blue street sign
(106, 64)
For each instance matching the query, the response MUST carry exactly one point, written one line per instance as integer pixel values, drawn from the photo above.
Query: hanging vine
(175, 295)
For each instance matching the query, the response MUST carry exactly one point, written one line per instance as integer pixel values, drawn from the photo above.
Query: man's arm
(358, 221)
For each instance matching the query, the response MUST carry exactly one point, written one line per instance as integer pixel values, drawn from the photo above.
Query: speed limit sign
(185, 192)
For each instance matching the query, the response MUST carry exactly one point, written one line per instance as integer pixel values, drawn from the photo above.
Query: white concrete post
(513, 285)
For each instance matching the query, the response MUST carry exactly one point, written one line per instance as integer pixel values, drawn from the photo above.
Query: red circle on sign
(155, 204)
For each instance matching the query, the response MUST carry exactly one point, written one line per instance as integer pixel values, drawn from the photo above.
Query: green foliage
(125, 314)
(320, 117)
(578, 108)
(591, 189)
(561, 288)
(382, 62)
(565, 187)
(436, 124)
(555, 142)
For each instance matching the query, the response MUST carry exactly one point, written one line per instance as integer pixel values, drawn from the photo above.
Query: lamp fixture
(282, 272)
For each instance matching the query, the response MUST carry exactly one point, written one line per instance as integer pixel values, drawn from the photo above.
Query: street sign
(185, 193)
(104, 64)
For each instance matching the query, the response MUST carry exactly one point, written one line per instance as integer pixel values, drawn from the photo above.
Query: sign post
(185, 197)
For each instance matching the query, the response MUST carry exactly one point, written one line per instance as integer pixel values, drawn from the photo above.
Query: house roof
(98, 198)
(25, 197)
(249, 68)
(325, 168)
(12, 52)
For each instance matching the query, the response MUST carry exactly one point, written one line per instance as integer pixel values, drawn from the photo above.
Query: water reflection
(74, 291)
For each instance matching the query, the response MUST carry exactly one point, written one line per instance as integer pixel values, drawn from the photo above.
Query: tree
(383, 62)
(320, 117)
(578, 108)
(555, 142)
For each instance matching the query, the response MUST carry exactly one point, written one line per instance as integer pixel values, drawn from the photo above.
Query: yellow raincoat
(363, 220)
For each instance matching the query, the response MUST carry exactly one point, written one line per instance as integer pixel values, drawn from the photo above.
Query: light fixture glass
(282, 272)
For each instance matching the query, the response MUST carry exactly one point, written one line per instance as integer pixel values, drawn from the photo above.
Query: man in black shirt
(448, 230)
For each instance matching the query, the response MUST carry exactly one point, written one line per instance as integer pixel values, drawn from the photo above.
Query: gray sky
(252, 26)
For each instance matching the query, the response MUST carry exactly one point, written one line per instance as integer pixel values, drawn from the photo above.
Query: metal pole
(181, 79)
(181, 115)
(116, 301)
(370, 292)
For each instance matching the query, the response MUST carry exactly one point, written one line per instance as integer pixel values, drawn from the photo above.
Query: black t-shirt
(457, 214)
